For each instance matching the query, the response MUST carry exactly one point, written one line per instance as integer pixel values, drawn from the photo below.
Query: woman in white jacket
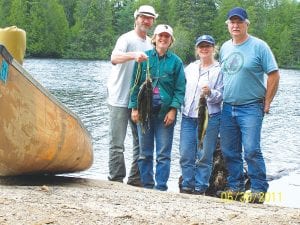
(203, 77)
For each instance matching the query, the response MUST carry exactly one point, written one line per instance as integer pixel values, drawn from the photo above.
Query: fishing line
(138, 75)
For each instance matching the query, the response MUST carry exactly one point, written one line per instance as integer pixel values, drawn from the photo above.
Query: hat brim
(210, 42)
(147, 14)
(239, 16)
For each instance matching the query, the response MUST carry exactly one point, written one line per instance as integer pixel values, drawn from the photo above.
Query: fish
(145, 104)
(202, 119)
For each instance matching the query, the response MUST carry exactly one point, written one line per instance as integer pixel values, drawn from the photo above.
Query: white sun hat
(146, 10)
(163, 28)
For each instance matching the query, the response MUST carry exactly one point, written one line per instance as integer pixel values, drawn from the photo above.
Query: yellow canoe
(38, 134)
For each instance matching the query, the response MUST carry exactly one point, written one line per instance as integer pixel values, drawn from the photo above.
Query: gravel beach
(68, 200)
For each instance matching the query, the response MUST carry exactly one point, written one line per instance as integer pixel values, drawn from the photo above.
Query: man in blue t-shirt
(245, 62)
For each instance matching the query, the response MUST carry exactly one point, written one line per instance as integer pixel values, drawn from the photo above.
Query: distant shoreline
(290, 67)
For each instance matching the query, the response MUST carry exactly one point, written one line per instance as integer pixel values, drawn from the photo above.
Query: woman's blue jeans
(241, 130)
(196, 163)
(163, 137)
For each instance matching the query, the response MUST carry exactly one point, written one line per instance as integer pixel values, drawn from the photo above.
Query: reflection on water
(81, 85)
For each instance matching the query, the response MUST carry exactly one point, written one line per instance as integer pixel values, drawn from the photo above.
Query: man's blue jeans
(163, 137)
(196, 163)
(241, 129)
(119, 117)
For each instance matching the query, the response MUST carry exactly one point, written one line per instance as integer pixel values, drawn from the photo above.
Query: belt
(258, 101)
(214, 114)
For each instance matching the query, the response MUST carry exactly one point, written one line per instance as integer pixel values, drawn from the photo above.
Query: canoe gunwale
(5, 54)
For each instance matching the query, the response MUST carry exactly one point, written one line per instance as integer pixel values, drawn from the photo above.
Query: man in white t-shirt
(129, 48)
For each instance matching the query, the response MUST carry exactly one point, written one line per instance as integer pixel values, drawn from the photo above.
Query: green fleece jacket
(167, 74)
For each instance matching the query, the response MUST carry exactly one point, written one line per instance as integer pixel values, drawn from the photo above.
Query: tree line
(88, 29)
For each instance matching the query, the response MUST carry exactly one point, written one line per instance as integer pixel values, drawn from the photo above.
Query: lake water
(81, 86)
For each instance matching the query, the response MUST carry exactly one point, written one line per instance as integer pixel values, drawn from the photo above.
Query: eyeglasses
(143, 17)
(235, 22)
(204, 46)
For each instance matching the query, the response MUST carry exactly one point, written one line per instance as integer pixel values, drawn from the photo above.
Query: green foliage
(17, 14)
(182, 45)
(69, 9)
(122, 15)
(193, 17)
(5, 6)
(163, 7)
(284, 55)
(91, 36)
(89, 28)
(48, 30)
(279, 35)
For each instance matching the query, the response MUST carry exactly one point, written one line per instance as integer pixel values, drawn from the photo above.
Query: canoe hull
(38, 134)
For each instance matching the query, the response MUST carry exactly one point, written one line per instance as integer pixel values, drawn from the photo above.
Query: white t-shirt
(118, 83)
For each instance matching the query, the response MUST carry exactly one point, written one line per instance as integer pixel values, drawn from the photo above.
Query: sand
(66, 200)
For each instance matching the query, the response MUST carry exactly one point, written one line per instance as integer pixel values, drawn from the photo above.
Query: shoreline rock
(69, 200)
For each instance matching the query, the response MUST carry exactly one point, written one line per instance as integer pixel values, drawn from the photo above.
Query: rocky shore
(66, 200)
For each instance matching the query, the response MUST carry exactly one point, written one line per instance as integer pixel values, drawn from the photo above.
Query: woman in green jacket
(164, 70)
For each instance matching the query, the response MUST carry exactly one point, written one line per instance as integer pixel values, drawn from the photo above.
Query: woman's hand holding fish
(135, 115)
(206, 90)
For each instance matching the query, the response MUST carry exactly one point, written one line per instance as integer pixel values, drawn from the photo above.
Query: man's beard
(144, 28)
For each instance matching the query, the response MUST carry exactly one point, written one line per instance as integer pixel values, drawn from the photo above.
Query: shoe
(254, 197)
(198, 192)
(231, 195)
(136, 183)
(115, 180)
(186, 191)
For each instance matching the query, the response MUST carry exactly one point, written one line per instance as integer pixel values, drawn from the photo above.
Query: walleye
(202, 119)
(144, 102)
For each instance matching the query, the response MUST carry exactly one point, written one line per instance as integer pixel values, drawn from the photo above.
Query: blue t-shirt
(244, 67)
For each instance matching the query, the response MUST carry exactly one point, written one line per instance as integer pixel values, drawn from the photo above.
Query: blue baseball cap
(238, 11)
(205, 38)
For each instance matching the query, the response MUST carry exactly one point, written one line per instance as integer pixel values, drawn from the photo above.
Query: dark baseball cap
(205, 38)
(238, 11)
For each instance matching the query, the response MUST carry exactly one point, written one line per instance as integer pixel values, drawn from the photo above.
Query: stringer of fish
(202, 120)
(144, 101)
